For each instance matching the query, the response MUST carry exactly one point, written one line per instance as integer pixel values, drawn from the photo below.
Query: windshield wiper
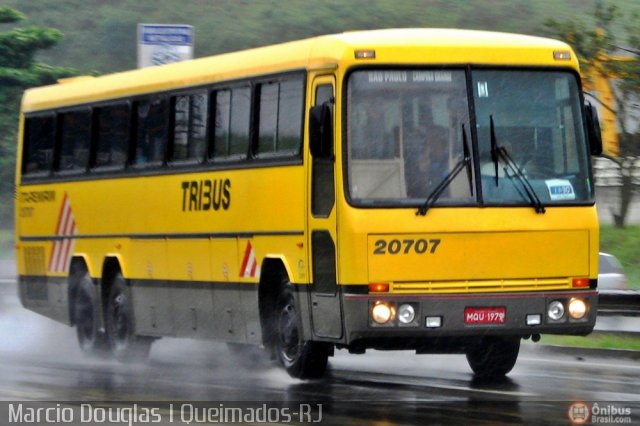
(495, 157)
(467, 158)
(465, 162)
(500, 153)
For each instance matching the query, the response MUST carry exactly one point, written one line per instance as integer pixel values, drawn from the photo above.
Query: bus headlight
(382, 312)
(406, 313)
(577, 308)
(556, 310)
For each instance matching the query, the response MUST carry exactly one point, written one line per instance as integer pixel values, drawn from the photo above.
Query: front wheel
(125, 345)
(493, 357)
(302, 359)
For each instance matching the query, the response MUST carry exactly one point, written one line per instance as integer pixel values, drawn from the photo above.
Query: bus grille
(485, 286)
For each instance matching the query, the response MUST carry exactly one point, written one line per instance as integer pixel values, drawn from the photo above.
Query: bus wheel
(125, 345)
(301, 359)
(493, 357)
(92, 340)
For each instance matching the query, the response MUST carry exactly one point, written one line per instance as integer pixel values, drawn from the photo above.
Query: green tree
(19, 70)
(599, 53)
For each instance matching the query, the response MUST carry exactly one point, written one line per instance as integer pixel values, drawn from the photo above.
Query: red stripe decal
(245, 261)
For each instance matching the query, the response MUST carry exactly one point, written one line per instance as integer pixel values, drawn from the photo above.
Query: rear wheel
(125, 345)
(91, 338)
(493, 357)
(302, 359)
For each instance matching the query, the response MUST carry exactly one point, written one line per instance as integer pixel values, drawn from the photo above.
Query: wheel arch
(273, 260)
(273, 272)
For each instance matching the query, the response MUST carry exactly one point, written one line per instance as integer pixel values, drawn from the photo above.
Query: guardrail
(619, 303)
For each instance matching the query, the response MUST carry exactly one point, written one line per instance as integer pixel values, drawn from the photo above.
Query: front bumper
(361, 329)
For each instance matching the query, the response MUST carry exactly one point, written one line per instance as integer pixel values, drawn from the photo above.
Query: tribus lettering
(198, 195)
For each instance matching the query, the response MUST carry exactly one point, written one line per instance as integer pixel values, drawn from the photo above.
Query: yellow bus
(415, 189)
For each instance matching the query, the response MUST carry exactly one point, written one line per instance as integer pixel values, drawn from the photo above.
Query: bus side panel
(201, 280)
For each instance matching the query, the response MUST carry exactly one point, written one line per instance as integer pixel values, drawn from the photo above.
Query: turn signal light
(580, 283)
(379, 288)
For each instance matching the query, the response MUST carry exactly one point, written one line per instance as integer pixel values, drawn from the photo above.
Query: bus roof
(392, 46)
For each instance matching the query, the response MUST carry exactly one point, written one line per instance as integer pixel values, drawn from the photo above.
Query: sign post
(160, 44)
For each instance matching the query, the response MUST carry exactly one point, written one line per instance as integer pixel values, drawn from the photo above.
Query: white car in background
(610, 273)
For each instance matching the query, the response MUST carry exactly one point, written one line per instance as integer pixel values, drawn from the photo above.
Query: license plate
(485, 315)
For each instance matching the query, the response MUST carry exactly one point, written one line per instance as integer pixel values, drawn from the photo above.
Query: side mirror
(593, 130)
(321, 131)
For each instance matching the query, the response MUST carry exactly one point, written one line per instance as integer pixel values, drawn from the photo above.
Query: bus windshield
(406, 130)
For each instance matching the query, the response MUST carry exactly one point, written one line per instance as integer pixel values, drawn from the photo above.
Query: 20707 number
(406, 246)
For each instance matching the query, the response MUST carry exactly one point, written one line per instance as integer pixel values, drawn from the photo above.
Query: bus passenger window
(268, 121)
(181, 128)
(222, 122)
(233, 109)
(280, 122)
(152, 132)
(38, 144)
(290, 116)
(190, 127)
(239, 126)
(113, 136)
(76, 137)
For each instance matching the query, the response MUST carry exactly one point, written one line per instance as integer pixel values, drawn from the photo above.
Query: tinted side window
(268, 121)
(290, 116)
(240, 114)
(39, 135)
(190, 126)
(232, 114)
(280, 118)
(75, 141)
(222, 122)
(152, 132)
(112, 136)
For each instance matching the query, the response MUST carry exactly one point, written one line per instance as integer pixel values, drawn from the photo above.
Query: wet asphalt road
(40, 360)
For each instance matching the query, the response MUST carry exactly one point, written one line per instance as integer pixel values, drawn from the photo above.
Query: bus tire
(494, 356)
(91, 339)
(125, 345)
(302, 359)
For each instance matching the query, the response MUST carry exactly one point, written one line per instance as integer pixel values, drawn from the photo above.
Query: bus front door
(326, 309)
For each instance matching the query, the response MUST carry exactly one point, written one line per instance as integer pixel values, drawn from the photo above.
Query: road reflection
(40, 360)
